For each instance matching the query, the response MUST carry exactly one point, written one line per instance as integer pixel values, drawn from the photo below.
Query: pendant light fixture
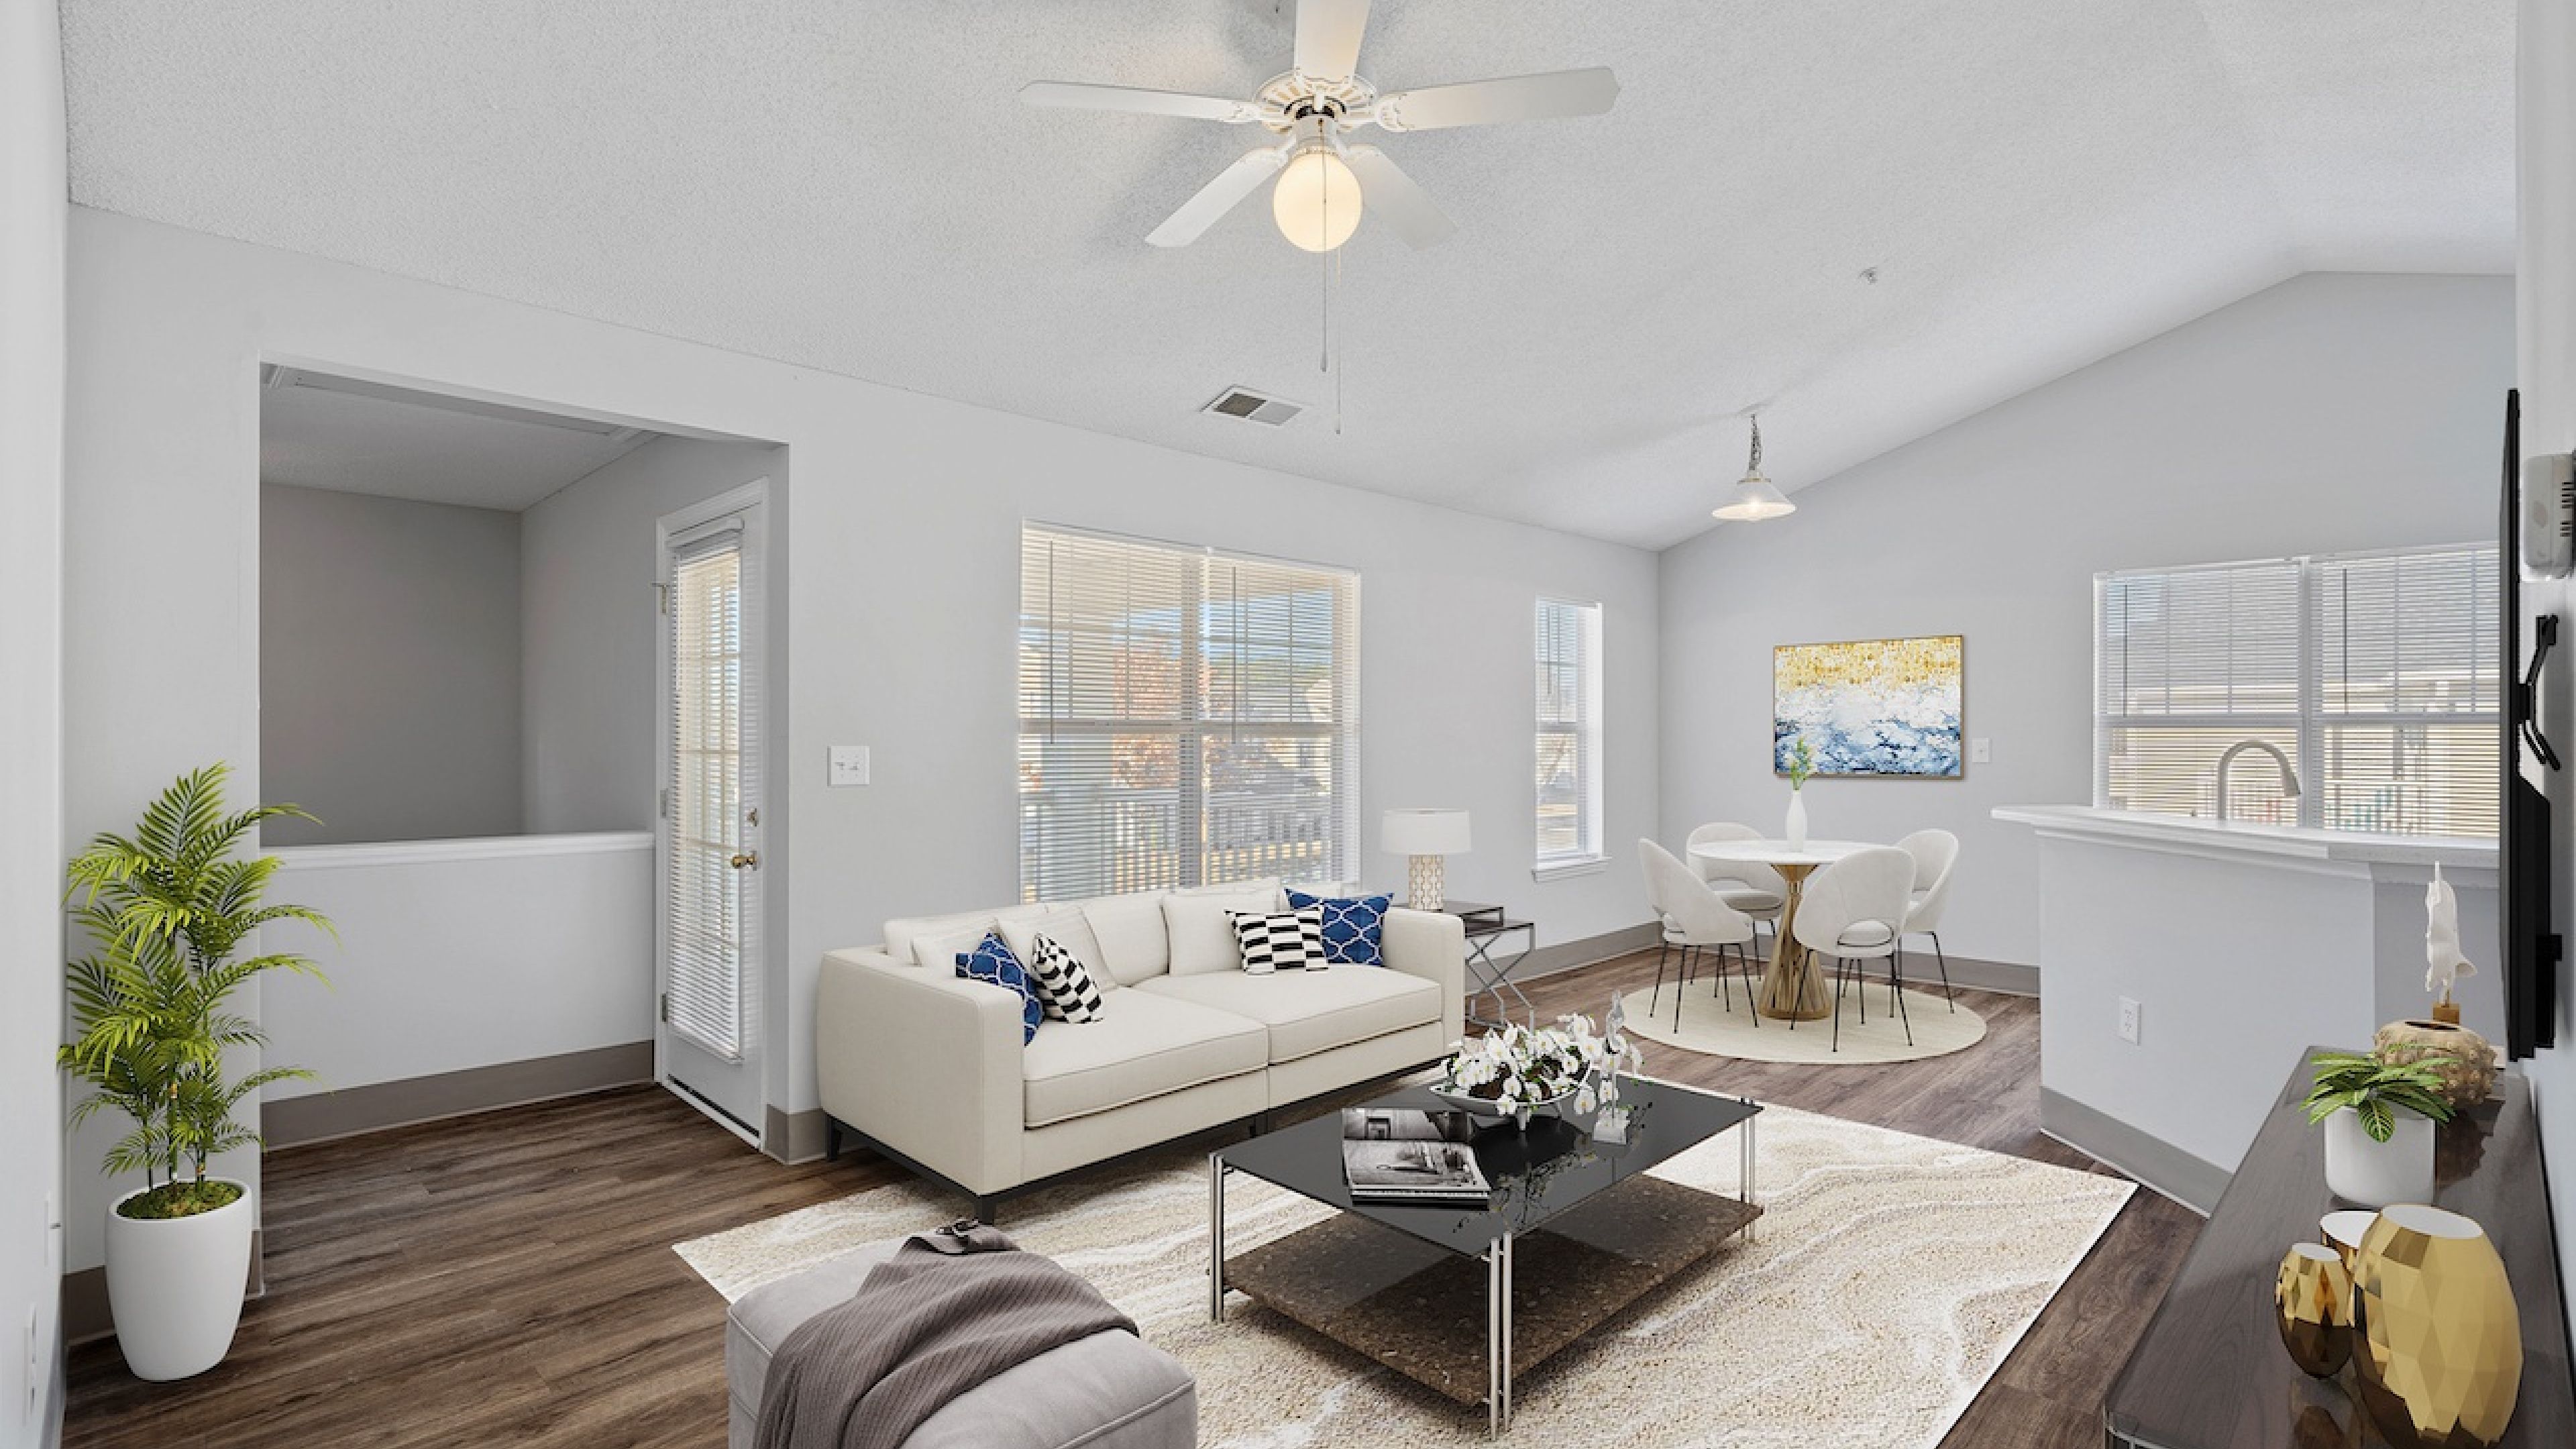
(1755, 497)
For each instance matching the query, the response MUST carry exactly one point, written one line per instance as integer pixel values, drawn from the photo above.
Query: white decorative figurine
(2444, 963)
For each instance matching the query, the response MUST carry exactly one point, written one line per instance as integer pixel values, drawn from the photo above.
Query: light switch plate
(849, 764)
(1981, 751)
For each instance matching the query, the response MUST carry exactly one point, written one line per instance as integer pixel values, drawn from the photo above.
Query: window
(2374, 674)
(1569, 734)
(1187, 717)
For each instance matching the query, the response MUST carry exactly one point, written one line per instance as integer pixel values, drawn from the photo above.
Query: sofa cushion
(1201, 924)
(903, 935)
(1133, 942)
(1144, 1047)
(1108, 1389)
(1279, 941)
(1310, 1011)
(1069, 928)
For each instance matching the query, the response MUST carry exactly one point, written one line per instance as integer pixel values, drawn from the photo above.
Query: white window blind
(1187, 717)
(2375, 674)
(1568, 660)
(710, 903)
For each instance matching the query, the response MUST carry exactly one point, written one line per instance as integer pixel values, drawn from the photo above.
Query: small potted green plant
(2379, 1119)
(167, 911)
(1802, 766)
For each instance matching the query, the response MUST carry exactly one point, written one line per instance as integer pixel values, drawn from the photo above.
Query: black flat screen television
(2529, 938)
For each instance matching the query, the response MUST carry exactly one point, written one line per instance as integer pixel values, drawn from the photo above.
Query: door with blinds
(707, 1042)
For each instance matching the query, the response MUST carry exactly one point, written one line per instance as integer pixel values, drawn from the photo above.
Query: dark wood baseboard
(323, 1116)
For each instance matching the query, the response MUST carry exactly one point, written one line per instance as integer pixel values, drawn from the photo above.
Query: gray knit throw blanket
(949, 1310)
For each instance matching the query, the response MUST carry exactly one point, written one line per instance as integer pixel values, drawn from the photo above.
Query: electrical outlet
(849, 764)
(1981, 751)
(2129, 1020)
(37, 1376)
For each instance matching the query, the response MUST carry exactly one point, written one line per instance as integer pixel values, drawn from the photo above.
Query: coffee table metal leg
(1216, 1237)
(1498, 1337)
(1750, 1200)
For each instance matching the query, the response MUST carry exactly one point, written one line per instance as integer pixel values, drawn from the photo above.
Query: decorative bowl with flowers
(1518, 1072)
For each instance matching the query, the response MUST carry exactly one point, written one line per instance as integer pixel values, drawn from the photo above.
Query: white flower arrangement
(1518, 1069)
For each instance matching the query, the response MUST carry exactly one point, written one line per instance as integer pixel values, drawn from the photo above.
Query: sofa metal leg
(831, 1140)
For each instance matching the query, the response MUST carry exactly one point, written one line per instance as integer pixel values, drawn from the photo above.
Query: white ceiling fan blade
(1218, 197)
(1515, 98)
(1079, 96)
(1328, 37)
(1392, 197)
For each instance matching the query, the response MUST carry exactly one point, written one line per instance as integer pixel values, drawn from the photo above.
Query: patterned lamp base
(1423, 883)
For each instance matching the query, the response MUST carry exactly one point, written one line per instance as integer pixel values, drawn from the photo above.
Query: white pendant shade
(1755, 500)
(1424, 832)
(1317, 200)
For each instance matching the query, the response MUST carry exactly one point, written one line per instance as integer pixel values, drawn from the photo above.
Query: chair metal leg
(1663, 955)
(1900, 1001)
(1838, 1005)
(1725, 982)
(1945, 969)
(1683, 989)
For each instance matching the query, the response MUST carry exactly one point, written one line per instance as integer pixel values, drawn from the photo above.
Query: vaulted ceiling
(854, 187)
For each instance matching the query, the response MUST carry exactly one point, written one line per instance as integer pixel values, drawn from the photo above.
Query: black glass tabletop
(1554, 1165)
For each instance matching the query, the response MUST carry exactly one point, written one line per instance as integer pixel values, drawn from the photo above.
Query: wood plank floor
(508, 1278)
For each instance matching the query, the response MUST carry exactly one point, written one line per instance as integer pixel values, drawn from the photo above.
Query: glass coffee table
(1575, 1231)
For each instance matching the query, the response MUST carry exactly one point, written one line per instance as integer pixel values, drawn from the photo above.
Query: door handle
(748, 860)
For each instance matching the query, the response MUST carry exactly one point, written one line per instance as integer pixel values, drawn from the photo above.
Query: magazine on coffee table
(1405, 1155)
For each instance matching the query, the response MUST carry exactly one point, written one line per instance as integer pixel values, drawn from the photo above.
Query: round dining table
(1793, 987)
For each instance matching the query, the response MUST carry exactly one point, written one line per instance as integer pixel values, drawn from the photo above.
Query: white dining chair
(1748, 885)
(1696, 919)
(1852, 912)
(1936, 854)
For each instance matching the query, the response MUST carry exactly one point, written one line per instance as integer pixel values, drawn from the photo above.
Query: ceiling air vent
(1253, 407)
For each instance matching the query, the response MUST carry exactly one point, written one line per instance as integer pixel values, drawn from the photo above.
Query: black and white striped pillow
(1065, 987)
(1288, 941)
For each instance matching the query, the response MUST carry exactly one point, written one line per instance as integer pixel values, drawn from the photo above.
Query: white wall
(459, 954)
(2329, 412)
(389, 666)
(33, 189)
(901, 601)
(2545, 316)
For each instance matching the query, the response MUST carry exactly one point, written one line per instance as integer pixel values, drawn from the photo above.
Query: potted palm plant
(2379, 1118)
(167, 911)
(1802, 766)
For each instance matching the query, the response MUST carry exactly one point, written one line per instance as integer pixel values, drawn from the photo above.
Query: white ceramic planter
(2375, 1174)
(1797, 825)
(175, 1286)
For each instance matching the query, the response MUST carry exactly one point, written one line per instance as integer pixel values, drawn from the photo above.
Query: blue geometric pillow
(993, 964)
(1353, 928)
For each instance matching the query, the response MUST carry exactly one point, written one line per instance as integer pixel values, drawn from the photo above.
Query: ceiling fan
(1324, 182)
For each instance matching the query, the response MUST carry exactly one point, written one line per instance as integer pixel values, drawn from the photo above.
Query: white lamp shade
(1424, 832)
(1755, 500)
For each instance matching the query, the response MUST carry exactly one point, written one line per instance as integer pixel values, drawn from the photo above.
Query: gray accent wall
(389, 667)
(2330, 412)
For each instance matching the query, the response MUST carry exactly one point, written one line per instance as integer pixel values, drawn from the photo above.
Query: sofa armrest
(1431, 945)
(923, 1062)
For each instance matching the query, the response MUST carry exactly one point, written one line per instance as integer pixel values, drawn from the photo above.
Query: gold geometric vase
(2438, 1349)
(2314, 1298)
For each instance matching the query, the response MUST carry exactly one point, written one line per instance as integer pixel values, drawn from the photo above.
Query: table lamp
(1426, 836)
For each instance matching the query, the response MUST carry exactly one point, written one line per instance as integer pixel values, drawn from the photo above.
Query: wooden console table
(2210, 1372)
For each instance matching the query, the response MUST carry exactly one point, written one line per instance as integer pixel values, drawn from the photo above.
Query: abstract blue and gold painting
(1870, 706)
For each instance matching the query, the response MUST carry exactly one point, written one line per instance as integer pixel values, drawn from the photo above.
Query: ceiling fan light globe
(1317, 200)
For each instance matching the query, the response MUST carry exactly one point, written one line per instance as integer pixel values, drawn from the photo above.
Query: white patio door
(707, 1043)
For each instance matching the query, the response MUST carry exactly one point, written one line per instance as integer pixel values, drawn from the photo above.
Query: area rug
(1887, 1280)
(1708, 1027)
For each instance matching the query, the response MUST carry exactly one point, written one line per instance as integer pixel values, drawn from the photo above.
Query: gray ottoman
(1108, 1391)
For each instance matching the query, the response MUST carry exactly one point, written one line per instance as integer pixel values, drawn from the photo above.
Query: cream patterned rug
(1708, 1027)
(1887, 1280)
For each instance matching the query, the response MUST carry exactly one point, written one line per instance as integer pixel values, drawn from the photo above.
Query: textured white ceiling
(854, 187)
(430, 453)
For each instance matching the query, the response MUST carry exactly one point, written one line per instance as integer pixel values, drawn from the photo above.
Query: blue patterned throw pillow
(1352, 928)
(993, 964)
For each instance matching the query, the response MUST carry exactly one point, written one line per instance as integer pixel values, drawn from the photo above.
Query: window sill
(1571, 866)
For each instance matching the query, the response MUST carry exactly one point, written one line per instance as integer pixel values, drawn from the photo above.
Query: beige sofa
(929, 1069)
